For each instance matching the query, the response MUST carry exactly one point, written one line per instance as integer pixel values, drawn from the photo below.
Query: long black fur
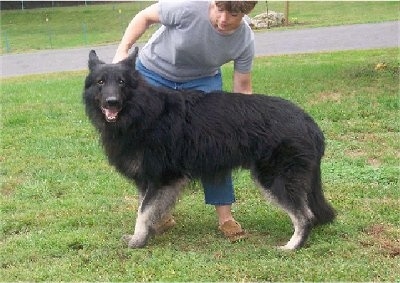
(160, 137)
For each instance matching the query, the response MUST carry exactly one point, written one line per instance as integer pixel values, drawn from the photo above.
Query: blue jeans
(218, 192)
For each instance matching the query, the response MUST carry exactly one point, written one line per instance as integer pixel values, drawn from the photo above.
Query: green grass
(64, 209)
(331, 13)
(27, 30)
(63, 27)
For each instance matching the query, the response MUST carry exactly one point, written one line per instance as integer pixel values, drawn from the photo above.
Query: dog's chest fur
(126, 158)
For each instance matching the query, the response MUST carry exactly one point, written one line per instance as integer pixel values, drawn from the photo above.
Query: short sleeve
(243, 64)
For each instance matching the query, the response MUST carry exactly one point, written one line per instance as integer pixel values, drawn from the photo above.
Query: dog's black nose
(112, 101)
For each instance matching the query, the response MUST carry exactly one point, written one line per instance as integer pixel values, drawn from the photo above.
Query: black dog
(160, 138)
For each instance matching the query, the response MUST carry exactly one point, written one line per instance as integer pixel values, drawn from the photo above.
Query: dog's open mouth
(111, 114)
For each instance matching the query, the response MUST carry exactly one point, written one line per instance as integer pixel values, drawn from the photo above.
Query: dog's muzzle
(110, 108)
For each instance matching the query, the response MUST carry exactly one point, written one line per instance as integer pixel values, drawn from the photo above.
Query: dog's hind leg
(155, 203)
(294, 202)
(288, 189)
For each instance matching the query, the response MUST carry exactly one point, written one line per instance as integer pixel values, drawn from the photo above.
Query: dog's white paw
(134, 242)
(286, 248)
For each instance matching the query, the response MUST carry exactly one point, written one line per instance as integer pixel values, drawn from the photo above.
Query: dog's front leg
(142, 230)
(155, 203)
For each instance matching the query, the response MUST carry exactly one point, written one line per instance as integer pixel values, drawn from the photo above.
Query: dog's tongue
(111, 115)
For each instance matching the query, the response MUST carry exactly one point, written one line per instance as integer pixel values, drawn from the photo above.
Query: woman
(196, 38)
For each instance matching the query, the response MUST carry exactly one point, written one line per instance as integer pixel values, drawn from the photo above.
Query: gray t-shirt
(188, 47)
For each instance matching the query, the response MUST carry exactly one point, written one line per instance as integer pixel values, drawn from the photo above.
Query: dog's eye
(100, 82)
(121, 82)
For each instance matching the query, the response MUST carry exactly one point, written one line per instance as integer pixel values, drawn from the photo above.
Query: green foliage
(63, 208)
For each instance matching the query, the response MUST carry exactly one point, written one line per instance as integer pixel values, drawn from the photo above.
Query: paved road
(348, 37)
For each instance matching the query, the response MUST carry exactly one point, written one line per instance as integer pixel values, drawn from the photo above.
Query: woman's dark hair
(244, 7)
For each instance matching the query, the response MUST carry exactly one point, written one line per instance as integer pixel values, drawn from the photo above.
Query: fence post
(286, 13)
(49, 32)
(85, 37)
(6, 42)
(120, 20)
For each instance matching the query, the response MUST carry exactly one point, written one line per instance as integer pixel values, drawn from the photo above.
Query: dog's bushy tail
(322, 210)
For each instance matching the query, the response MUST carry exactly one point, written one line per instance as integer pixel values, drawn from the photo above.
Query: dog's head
(107, 85)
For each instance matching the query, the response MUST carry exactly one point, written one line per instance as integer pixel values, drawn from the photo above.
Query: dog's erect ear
(131, 60)
(94, 60)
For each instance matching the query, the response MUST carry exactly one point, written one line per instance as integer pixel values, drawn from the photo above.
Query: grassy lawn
(52, 28)
(63, 208)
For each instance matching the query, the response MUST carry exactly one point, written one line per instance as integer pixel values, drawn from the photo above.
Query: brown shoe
(166, 223)
(233, 231)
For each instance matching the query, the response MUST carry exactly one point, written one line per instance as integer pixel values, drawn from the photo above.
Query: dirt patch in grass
(383, 237)
(8, 187)
(131, 202)
(359, 153)
(326, 97)
(374, 162)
